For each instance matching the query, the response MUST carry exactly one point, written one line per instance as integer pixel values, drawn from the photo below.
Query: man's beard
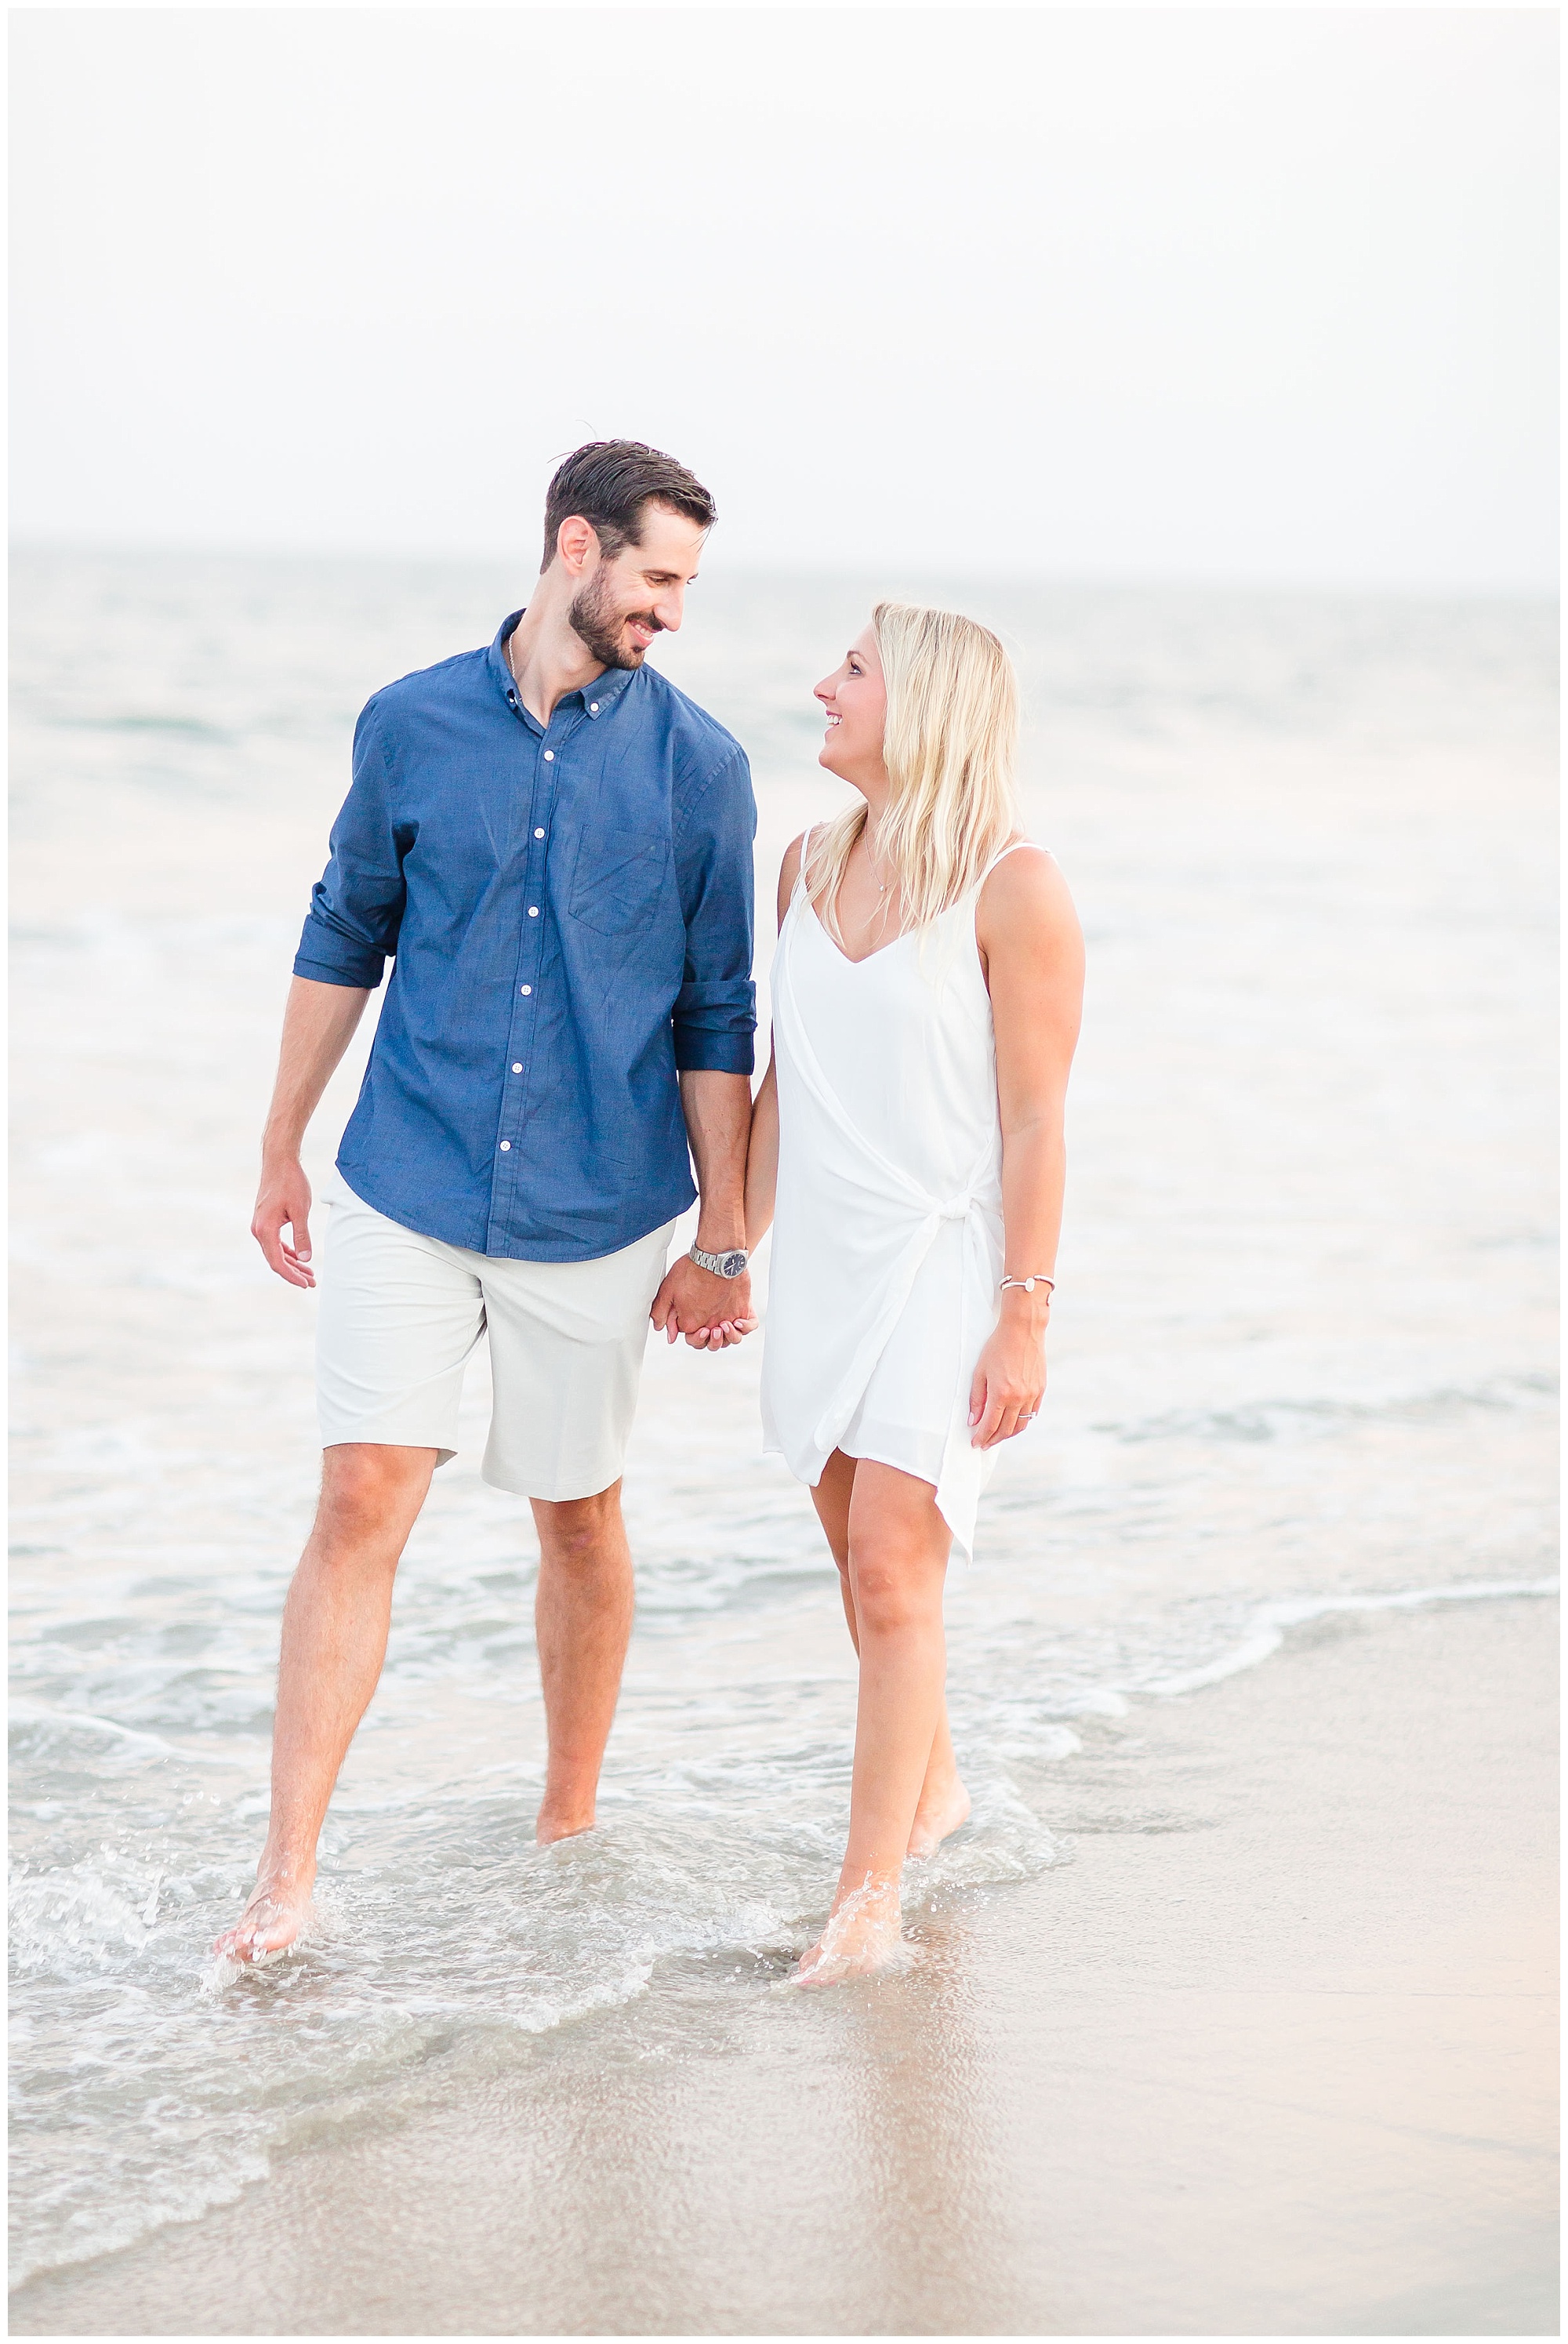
(592, 618)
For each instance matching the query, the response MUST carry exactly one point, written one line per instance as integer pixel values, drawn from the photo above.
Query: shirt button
(533, 911)
(594, 708)
(528, 989)
(538, 833)
(549, 756)
(506, 1146)
(517, 1065)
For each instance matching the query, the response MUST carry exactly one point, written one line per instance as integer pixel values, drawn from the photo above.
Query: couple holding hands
(554, 847)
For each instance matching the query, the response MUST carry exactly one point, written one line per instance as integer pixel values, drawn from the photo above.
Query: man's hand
(713, 1313)
(283, 1201)
(318, 1026)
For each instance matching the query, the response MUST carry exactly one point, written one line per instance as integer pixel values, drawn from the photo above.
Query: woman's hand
(1010, 1373)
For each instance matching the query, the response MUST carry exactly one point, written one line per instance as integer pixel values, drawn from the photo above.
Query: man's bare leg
(944, 1801)
(334, 1643)
(583, 1619)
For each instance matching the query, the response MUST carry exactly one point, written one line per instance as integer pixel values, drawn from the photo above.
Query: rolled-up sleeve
(715, 1012)
(357, 904)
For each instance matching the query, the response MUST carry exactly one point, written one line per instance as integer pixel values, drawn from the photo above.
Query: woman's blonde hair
(951, 748)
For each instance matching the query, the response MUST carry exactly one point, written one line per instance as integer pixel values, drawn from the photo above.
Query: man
(554, 846)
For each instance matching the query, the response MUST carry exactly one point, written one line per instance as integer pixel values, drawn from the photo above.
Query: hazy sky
(1239, 294)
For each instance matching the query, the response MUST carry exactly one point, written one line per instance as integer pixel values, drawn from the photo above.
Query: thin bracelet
(1029, 1284)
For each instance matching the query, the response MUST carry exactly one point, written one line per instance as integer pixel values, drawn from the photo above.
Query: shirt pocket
(618, 882)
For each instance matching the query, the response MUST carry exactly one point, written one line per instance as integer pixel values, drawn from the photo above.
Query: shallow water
(1301, 1356)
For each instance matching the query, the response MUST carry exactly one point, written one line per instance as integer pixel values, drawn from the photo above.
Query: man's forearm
(318, 1024)
(718, 1111)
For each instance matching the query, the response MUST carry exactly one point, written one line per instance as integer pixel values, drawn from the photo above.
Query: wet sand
(1272, 2053)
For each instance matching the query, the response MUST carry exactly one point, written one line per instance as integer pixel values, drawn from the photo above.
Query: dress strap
(1017, 844)
(798, 890)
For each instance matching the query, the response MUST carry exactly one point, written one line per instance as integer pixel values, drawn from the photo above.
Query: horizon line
(1063, 579)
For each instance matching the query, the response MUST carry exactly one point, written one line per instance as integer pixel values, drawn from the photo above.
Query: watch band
(723, 1265)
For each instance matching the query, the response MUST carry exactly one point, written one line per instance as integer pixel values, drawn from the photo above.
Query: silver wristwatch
(723, 1265)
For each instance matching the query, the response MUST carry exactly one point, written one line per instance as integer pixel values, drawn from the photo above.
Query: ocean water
(1302, 1361)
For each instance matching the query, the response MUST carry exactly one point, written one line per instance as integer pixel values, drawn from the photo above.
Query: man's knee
(370, 1487)
(581, 1533)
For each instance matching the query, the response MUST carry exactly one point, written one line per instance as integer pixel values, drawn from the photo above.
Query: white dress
(887, 1229)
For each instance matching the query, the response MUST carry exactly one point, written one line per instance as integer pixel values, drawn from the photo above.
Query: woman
(909, 1136)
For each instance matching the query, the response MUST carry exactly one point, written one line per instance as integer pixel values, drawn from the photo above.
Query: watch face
(732, 1265)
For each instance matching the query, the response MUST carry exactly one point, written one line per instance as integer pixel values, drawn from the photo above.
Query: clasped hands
(713, 1313)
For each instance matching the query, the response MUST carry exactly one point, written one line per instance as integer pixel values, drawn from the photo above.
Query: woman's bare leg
(897, 1547)
(944, 1801)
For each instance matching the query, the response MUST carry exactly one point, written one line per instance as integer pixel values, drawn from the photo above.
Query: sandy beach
(1273, 2053)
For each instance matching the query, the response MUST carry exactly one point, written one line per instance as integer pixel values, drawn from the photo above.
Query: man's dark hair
(609, 482)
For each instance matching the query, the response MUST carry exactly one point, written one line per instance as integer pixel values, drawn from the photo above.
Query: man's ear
(576, 542)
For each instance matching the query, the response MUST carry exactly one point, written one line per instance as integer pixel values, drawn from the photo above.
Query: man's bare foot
(555, 1824)
(273, 1920)
(862, 1936)
(940, 1813)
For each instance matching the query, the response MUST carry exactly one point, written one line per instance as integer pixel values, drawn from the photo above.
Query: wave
(1273, 1622)
(184, 728)
(1272, 1419)
(26, 1715)
(447, 1937)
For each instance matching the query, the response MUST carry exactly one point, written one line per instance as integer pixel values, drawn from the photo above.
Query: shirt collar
(599, 696)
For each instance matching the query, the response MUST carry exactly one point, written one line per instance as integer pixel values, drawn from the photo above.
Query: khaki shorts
(401, 1313)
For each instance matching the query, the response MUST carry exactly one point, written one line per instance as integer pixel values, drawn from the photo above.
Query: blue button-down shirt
(569, 907)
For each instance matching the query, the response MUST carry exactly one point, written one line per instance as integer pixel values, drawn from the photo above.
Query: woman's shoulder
(1021, 867)
(1024, 890)
(789, 871)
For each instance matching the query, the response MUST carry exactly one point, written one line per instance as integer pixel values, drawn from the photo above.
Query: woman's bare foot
(273, 1920)
(862, 1936)
(940, 1812)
